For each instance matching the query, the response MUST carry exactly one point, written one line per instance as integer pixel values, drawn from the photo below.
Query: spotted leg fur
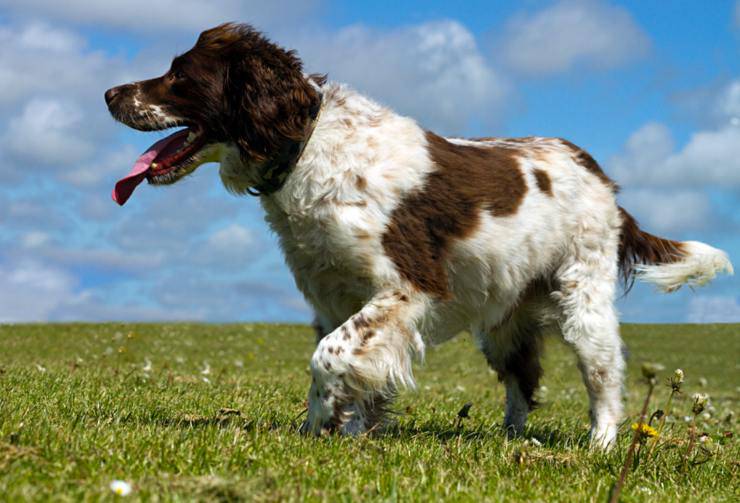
(357, 368)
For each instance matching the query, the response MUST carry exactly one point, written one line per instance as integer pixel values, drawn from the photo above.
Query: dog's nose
(111, 93)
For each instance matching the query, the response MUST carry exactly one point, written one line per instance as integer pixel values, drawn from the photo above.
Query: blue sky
(651, 88)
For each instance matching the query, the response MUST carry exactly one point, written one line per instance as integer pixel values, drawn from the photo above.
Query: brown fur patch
(585, 160)
(524, 363)
(367, 335)
(543, 181)
(639, 247)
(360, 321)
(523, 139)
(466, 181)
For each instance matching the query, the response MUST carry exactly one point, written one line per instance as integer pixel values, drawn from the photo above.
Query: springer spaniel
(398, 237)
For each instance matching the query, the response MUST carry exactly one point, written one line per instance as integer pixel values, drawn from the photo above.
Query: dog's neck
(273, 173)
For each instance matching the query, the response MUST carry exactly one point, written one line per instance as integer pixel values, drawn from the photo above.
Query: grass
(82, 405)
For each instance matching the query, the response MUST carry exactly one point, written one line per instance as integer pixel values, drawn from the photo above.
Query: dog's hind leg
(357, 368)
(590, 325)
(513, 351)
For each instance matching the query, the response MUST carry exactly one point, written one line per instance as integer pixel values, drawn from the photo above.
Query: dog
(398, 237)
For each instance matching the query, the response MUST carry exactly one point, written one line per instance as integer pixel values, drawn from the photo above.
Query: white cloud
(709, 158)
(48, 132)
(43, 246)
(162, 15)
(92, 172)
(727, 103)
(29, 213)
(167, 219)
(30, 291)
(714, 309)
(711, 106)
(43, 37)
(572, 33)
(233, 237)
(669, 211)
(434, 72)
(40, 59)
(232, 298)
(231, 242)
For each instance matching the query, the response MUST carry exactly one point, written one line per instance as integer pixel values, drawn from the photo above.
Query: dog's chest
(330, 254)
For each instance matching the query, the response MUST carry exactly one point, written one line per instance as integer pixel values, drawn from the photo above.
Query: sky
(650, 88)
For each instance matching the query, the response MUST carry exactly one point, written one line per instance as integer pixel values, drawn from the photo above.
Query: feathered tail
(666, 263)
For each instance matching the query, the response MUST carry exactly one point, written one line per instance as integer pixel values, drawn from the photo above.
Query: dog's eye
(176, 75)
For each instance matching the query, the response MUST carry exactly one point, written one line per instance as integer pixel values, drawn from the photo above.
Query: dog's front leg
(357, 368)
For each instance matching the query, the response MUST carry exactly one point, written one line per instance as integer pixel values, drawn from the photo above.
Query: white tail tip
(700, 264)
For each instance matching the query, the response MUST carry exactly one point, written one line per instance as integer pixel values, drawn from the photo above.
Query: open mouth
(176, 152)
(165, 162)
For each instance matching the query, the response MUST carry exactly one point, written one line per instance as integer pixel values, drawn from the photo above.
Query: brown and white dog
(399, 237)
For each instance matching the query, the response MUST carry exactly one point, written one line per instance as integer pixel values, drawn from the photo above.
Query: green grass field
(210, 412)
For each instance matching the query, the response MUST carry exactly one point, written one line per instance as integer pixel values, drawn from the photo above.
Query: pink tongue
(126, 186)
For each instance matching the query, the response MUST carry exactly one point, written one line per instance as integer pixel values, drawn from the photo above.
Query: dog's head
(235, 93)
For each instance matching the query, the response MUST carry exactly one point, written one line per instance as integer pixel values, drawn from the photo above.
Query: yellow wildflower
(645, 430)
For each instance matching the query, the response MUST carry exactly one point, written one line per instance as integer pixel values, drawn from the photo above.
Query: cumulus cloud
(434, 71)
(43, 60)
(30, 291)
(163, 15)
(727, 103)
(228, 299)
(709, 158)
(570, 34)
(669, 211)
(669, 187)
(714, 309)
(42, 245)
(47, 132)
(109, 164)
(166, 219)
(233, 237)
(232, 246)
(28, 213)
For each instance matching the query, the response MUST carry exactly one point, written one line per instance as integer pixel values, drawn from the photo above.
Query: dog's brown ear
(270, 99)
(224, 35)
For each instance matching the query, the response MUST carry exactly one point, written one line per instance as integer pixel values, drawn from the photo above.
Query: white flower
(536, 442)
(700, 401)
(120, 487)
(678, 375)
(147, 365)
(676, 380)
(206, 369)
